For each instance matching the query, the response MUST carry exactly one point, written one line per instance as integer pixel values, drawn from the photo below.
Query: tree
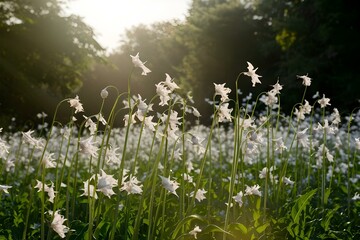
(41, 50)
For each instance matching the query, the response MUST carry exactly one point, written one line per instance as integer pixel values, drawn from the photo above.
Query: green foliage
(41, 50)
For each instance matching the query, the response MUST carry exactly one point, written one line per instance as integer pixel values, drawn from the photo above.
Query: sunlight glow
(110, 18)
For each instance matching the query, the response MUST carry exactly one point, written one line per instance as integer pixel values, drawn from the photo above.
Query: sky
(110, 18)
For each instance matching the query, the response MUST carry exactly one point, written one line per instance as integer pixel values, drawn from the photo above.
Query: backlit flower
(252, 73)
(75, 103)
(306, 80)
(254, 190)
(57, 224)
(137, 63)
(5, 188)
(221, 90)
(169, 185)
(324, 101)
(132, 186)
(106, 183)
(238, 198)
(195, 231)
(200, 194)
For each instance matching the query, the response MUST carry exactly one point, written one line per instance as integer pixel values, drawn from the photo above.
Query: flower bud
(104, 93)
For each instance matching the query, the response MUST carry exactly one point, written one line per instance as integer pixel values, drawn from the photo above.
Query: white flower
(335, 117)
(224, 112)
(148, 122)
(75, 103)
(221, 90)
(276, 88)
(169, 185)
(200, 194)
(324, 101)
(101, 119)
(48, 160)
(126, 119)
(89, 190)
(5, 188)
(302, 138)
(254, 190)
(49, 190)
(30, 140)
(251, 73)
(238, 198)
(163, 93)
(357, 143)
(106, 183)
(57, 224)
(170, 83)
(104, 93)
(89, 123)
(88, 147)
(137, 63)
(195, 231)
(132, 186)
(196, 112)
(356, 197)
(287, 181)
(306, 80)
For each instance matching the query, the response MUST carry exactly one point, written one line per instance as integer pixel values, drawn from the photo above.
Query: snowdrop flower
(88, 147)
(356, 196)
(5, 188)
(101, 119)
(106, 183)
(127, 119)
(357, 143)
(132, 186)
(302, 138)
(50, 190)
(287, 181)
(306, 80)
(169, 82)
(195, 231)
(57, 224)
(276, 88)
(324, 101)
(251, 73)
(89, 123)
(89, 190)
(238, 198)
(30, 140)
(195, 112)
(75, 103)
(163, 93)
(221, 90)
(104, 93)
(48, 160)
(137, 63)
(149, 123)
(254, 190)
(200, 194)
(169, 185)
(224, 112)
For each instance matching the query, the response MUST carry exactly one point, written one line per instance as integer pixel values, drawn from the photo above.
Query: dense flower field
(254, 173)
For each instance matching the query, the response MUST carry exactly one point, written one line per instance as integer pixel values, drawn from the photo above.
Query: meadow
(254, 173)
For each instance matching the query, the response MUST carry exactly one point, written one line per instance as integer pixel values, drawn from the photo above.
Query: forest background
(46, 55)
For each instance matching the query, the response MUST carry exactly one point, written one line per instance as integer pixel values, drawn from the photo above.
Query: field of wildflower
(254, 173)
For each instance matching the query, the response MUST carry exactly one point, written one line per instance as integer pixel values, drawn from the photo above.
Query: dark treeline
(282, 38)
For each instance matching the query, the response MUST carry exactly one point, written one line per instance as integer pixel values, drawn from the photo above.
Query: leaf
(240, 227)
(300, 205)
(214, 228)
(262, 228)
(187, 219)
(326, 221)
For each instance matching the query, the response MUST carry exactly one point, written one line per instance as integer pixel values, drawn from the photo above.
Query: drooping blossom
(200, 194)
(356, 197)
(223, 91)
(27, 138)
(106, 183)
(238, 198)
(163, 93)
(87, 146)
(253, 190)
(132, 186)
(287, 181)
(324, 101)
(252, 73)
(75, 103)
(169, 82)
(49, 189)
(89, 190)
(5, 188)
(57, 224)
(306, 80)
(138, 63)
(302, 138)
(170, 185)
(195, 231)
(224, 113)
(104, 93)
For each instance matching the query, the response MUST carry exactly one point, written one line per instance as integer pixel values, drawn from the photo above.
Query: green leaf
(240, 227)
(326, 221)
(300, 205)
(262, 228)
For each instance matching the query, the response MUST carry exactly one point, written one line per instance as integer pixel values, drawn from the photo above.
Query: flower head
(57, 224)
(137, 63)
(169, 185)
(252, 73)
(75, 103)
(5, 188)
(324, 101)
(195, 231)
(306, 80)
(238, 198)
(221, 90)
(132, 186)
(254, 190)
